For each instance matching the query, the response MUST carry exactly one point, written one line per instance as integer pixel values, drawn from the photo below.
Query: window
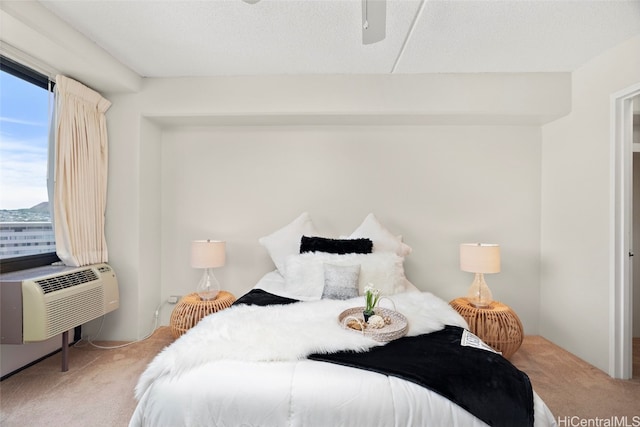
(26, 233)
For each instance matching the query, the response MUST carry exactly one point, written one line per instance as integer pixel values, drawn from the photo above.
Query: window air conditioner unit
(43, 302)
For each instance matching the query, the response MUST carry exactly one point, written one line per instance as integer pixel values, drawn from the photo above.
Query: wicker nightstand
(497, 325)
(191, 309)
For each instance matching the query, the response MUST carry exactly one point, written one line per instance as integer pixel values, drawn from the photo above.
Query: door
(635, 225)
(621, 303)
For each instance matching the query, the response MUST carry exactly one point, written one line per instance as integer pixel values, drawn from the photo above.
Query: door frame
(621, 292)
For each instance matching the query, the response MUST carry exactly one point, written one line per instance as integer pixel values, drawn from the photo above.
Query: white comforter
(245, 366)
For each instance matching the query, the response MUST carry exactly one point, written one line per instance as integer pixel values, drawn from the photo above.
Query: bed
(280, 357)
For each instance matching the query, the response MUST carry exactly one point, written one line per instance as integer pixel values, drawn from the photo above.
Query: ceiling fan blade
(374, 21)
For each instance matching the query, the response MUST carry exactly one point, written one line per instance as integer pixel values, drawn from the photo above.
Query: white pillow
(383, 239)
(304, 274)
(286, 241)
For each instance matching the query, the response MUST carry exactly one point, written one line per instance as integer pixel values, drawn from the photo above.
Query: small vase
(366, 314)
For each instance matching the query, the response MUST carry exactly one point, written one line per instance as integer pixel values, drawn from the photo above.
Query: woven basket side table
(191, 309)
(497, 324)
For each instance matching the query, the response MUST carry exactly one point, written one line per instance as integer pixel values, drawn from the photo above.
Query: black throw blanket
(482, 382)
(263, 298)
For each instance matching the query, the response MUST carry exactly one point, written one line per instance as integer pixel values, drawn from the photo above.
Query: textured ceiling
(233, 37)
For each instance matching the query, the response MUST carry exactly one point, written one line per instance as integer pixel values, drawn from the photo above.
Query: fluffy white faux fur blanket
(287, 332)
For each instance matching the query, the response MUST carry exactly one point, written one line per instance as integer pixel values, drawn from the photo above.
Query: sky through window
(24, 126)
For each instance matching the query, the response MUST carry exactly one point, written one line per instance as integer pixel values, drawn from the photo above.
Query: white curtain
(80, 173)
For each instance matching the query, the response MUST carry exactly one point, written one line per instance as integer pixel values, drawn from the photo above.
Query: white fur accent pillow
(304, 273)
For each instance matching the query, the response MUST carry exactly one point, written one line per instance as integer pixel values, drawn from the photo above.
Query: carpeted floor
(98, 388)
(573, 388)
(96, 391)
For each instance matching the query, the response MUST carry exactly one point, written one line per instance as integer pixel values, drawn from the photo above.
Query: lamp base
(208, 287)
(479, 294)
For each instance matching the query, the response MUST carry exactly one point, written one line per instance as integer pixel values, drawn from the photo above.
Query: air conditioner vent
(46, 301)
(68, 280)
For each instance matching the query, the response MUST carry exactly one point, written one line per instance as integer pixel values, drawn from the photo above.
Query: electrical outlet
(173, 299)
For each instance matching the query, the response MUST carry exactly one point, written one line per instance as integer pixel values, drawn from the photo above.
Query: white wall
(576, 208)
(438, 186)
(155, 118)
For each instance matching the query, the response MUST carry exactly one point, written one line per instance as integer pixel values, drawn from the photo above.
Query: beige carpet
(573, 388)
(98, 388)
(96, 391)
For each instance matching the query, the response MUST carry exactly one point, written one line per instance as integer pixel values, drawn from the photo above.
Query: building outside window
(25, 105)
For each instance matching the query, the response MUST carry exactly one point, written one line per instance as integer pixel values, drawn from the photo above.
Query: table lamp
(207, 254)
(479, 258)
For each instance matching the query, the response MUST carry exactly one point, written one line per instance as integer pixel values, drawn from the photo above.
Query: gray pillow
(340, 281)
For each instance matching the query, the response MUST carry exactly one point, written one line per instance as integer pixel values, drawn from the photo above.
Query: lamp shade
(480, 257)
(207, 253)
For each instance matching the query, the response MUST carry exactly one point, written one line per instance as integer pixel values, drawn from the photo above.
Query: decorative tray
(396, 328)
